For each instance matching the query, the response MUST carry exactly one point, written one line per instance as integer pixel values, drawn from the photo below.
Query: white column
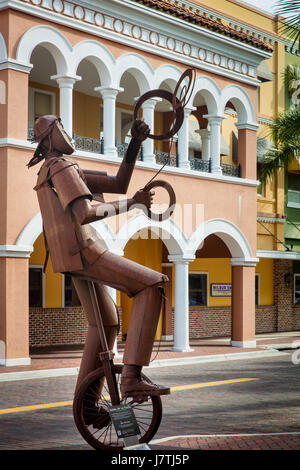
(183, 140)
(109, 95)
(181, 308)
(148, 116)
(205, 143)
(66, 84)
(113, 294)
(215, 141)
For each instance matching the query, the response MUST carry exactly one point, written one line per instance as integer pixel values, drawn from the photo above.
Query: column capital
(181, 259)
(188, 109)
(151, 103)
(66, 80)
(204, 133)
(247, 262)
(15, 251)
(214, 118)
(109, 91)
(247, 125)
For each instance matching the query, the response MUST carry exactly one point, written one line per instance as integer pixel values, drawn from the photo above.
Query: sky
(265, 5)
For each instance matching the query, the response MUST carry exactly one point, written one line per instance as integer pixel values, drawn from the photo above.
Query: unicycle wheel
(90, 409)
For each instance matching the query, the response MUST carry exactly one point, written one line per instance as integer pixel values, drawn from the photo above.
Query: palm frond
(290, 9)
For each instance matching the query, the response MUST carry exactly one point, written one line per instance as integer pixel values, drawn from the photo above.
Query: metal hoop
(165, 215)
(169, 97)
(182, 101)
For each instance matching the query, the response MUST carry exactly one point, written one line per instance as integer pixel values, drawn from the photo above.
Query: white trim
(244, 262)
(22, 361)
(3, 48)
(231, 235)
(15, 65)
(15, 251)
(167, 337)
(236, 52)
(294, 290)
(294, 205)
(40, 266)
(207, 286)
(31, 98)
(258, 299)
(244, 344)
(278, 254)
(272, 220)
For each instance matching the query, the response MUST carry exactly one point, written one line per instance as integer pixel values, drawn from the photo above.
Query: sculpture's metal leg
(90, 358)
(142, 326)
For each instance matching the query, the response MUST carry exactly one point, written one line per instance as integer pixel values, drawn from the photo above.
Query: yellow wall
(219, 271)
(148, 253)
(265, 268)
(53, 282)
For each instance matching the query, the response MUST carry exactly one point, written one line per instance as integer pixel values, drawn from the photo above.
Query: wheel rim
(90, 409)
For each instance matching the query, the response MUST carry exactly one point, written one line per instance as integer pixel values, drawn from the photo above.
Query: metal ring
(165, 215)
(191, 74)
(169, 97)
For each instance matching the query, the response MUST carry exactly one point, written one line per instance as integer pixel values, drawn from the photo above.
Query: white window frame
(31, 92)
(207, 287)
(294, 289)
(258, 296)
(295, 205)
(40, 266)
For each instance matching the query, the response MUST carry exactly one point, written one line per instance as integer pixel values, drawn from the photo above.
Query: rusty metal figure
(65, 192)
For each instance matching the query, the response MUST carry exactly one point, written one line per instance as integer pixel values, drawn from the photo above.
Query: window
(257, 289)
(197, 154)
(36, 291)
(261, 187)
(70, 295)
(293, 191)
(296, 288)
(198, 289)
(40, 103)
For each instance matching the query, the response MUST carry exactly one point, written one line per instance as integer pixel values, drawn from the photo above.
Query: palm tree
(285, 133)
(290, 9)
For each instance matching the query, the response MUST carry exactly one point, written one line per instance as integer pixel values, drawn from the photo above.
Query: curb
(47, 373)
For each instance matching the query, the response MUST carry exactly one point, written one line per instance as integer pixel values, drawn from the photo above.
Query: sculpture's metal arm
(100, 183)
(84, 212)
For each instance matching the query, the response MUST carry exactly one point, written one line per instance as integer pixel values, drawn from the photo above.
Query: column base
(185, 165)
(149, 159)
(110, 152)
(183, 349)
(217, 170)
(244, 344)
(22, 361)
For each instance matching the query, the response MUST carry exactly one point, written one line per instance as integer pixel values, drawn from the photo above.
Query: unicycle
(100, 390)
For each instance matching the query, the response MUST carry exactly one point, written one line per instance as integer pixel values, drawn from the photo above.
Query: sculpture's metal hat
(50, 126)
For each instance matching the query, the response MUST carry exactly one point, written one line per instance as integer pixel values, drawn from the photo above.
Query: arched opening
(88, 107)
(43, 93)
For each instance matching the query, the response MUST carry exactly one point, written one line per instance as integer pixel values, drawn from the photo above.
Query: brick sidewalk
(69, 357)
(289, 441)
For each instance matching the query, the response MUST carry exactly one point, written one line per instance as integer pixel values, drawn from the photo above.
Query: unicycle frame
(106, 356)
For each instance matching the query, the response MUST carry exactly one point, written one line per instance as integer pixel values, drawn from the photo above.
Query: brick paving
(49, 358)
(70, 356)
(288, 441)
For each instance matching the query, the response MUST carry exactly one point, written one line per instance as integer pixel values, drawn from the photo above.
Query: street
(233, 397)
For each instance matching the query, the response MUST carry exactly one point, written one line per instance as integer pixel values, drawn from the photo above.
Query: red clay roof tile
(201, 20)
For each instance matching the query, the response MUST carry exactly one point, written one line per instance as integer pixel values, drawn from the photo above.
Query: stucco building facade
(89, 62)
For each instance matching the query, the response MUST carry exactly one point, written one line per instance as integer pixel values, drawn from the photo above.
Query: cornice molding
(216, 53)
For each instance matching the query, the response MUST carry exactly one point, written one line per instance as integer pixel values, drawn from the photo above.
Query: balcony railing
(89, 144)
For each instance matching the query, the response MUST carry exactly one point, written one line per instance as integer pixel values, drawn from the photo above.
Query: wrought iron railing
(89, 144)
(163, 157)
(200, 165)
(231, 170)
